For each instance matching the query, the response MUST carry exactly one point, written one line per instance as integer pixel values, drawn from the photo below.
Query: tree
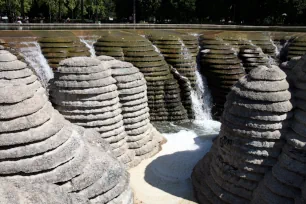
(148, 8)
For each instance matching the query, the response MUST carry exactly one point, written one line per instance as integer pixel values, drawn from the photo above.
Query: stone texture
(91, 110)
(254, 125)
(38, 145)
(143, 139)
(285, 182)
(56, 49)
(163, 89)
(32, 193)
(222, 68)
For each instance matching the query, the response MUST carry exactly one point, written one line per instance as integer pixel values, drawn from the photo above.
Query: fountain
(34, 57)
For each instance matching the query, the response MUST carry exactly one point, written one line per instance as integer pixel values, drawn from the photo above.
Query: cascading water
(90, 45)
(33, 55)
(200, 96)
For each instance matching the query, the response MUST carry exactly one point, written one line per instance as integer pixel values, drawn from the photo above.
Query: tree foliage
(252, 12)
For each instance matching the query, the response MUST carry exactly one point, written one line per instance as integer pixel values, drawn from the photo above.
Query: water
(90, 45)
(156, 49)
(165, 178)
(33, 56)
(201, 99)
(200, 96)
(277, 51)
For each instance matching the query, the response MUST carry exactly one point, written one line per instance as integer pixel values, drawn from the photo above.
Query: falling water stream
(89, 44)
(165, 178)
(33, 55)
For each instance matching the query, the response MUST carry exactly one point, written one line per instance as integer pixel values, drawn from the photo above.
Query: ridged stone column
(85, 93)
(250, 141)
(142, 138)
(39, 145)
(285, 183)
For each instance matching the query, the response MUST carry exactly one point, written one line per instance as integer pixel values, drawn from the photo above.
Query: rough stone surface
(39, 146)
(285, 183)
(249, 143)
(139, 52)
(90, 110)
(136, 121)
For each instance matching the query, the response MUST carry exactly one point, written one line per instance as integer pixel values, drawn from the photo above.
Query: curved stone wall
(56, 49)
(254, 123)
(163, 90)
(39, 145)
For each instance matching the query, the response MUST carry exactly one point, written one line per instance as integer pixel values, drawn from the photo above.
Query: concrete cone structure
(251, 138)
(85, 93)
(286, 182)
(39, 145)
(142, 138)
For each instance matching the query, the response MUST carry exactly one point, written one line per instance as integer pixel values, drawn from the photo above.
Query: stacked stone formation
(180, 52)
(222, 68)
(265, 42)
(39, 145)
(163, 90)
(186, 89)
(56, 49)
(259, 39)
(85, 93)
(142, 138)
(297, 47)
(252, 57)
(251, 138)
(284, 183)
(23, 192)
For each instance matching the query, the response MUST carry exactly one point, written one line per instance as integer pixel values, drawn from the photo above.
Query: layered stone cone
(164, 94)
(297, 47)
(285, 183)
(39, 145)
(56, 49)
(252, 57)
(142, 138)
(222, 68)
(34, 193)
(85, 93)
(180, 52)
(251, 138)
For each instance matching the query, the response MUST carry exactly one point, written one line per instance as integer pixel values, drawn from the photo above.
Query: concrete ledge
(70, 26)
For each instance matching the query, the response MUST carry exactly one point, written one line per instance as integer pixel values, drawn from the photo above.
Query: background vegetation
(251, 12)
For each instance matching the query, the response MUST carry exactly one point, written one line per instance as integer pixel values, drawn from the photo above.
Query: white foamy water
(277, 51)
(33, 55)
(201, 99)
(90, 45)
(165, 178)
(156, 49)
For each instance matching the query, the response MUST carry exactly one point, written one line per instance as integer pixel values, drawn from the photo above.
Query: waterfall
(156, 49)
(33, 56)
(200, 96)
(201, 99)
(89, 44)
